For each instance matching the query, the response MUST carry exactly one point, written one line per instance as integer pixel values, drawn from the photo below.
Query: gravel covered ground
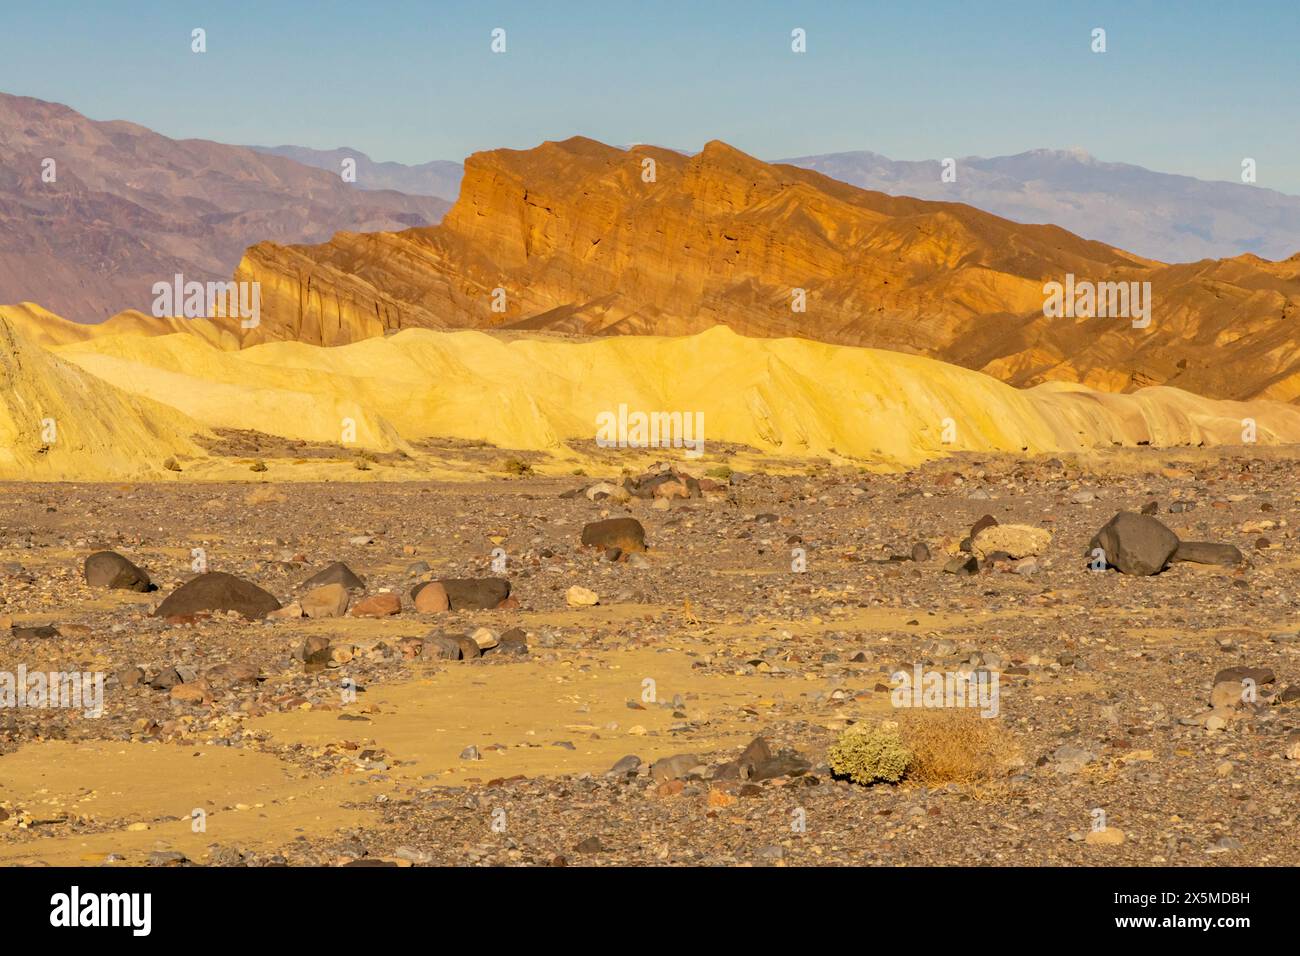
(705, 642)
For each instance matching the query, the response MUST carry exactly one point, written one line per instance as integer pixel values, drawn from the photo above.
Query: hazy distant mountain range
(439, 178)
(1158, 215)
(93, 213)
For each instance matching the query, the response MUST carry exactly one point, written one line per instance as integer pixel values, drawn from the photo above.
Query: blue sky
(1189, 86)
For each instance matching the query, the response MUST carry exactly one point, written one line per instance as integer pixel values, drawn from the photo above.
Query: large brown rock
(431, 598)
(1241, 672)
(108, 569)
(1136, 544)
(217, 591)
(469, 594)
(328, 600)
(627, 534)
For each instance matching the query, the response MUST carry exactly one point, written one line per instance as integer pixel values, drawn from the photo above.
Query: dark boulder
(1260, 675)
(626, 534)
(1135, 544)
(108, 569)
(470, 594)
(217, 591)
(336, 573)
(513, 641)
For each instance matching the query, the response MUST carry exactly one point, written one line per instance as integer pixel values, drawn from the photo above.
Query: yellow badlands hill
(125, 402)
(42, 327)
(59, 423)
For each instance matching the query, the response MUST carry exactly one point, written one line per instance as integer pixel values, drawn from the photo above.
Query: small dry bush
(955, 746)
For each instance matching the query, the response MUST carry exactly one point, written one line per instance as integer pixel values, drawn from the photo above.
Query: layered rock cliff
(578, 237)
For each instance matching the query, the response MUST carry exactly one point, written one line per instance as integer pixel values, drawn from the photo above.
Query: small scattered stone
(384, 604)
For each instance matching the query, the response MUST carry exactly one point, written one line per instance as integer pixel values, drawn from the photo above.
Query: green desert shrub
(868, 755)
(930, 747)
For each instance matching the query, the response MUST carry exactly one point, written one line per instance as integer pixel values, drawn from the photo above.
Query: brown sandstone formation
(578, 242)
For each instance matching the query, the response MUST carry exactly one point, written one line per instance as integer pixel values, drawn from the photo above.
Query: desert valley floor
(704, 643)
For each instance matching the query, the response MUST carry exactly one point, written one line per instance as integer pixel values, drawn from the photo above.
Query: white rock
(617, 492)
(1017, 540)
(578, 596)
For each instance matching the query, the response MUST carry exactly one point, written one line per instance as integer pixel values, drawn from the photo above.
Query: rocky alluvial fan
(578, 241)
(968, 567)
